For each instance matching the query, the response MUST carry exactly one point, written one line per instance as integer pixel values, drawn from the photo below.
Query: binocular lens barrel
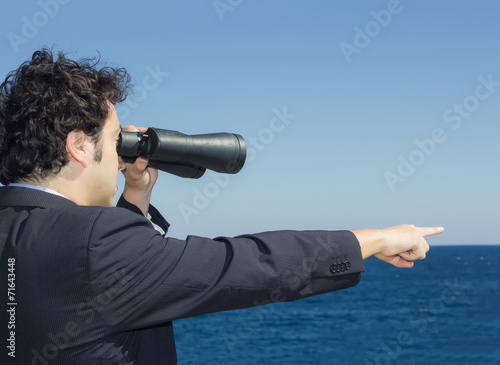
(183, 155)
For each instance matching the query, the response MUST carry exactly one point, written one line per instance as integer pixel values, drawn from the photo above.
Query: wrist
(138, 197)
(370, 241)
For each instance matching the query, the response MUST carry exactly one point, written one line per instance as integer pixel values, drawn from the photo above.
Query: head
(49, 108)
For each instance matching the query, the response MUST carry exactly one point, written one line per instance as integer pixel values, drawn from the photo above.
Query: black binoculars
(183, 155)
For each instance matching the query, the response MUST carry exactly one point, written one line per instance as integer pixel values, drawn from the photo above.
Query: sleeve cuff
(159, 223)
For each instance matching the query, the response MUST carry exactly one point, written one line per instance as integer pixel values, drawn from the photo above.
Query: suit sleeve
(140, 278)
(156, 218)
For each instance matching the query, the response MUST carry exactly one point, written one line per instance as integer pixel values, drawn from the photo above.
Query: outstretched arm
(398, 245)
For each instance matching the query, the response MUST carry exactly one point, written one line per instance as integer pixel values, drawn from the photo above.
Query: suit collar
(25, 197)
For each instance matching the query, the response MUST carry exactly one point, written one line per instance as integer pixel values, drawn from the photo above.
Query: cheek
(113, 159)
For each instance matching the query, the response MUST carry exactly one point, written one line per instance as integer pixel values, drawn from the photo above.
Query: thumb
(139, 166)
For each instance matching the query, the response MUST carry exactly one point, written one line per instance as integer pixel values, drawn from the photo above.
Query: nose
(121, 164)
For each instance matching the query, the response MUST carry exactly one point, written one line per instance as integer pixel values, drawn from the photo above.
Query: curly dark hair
(44, 100)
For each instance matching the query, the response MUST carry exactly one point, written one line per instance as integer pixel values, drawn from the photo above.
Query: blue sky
(389, 109)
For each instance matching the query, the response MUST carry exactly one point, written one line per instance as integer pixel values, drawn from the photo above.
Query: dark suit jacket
(96, 285)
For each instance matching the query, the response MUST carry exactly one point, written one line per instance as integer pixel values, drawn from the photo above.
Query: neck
(71, 188)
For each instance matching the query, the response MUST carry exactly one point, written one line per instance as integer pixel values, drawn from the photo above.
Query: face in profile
(106, 163)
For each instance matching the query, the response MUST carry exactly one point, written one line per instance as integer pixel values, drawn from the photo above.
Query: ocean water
(445, 310)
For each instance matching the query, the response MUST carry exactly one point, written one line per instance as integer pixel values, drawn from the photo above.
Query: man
(84, 282)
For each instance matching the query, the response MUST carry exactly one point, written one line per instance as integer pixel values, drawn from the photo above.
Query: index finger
(131, 128)
(430, 231)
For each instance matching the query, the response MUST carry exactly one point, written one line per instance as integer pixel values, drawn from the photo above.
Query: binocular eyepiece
(183, 155)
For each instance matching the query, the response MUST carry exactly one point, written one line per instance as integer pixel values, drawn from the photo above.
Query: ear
(80, 147)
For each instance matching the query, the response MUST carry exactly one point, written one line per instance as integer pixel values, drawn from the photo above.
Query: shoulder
(82, 221)
(117, 226)
(89, 213)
